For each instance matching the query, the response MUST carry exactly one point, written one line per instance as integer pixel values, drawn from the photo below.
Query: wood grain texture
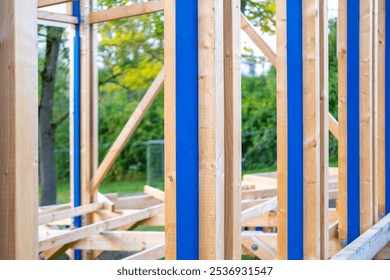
(311, 129)
(281, 98)
(366, 145)
(46, 3)
(170, 128)
(19, 130)
(232, 63)
(211, 130)
(342, 114)
(324, 129)
(132, 10)
(381, 172)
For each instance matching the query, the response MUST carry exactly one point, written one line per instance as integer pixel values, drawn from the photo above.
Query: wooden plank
(170, 127)
(47, 3)
(311, 129)
(281, 98)
(154, 253)
(132, 10)
(69, 213)
(367, 245)
(374, 111)
(324, 129)
(259, 210)
(127, 131)
(57, 17)
(381, 170)
(107, 203)
(233, 161)
(211, 130)
(19, 130)
(120, 241)
(259, 248)
(53, 208)
(366, 155)
(135, 202)
(154, 192)
(99, 227)
(342, 118)
(333, 126)
(256, 37)
(268, 219)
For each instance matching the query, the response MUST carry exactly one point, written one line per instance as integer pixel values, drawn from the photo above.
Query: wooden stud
(311, 128)
(342, 114)
(19, 130)
(381, 172)
(211, 130)
(324, 129)
(132, 10)
(170, 128)
(281, 93)
(232, 63)
(366, 147)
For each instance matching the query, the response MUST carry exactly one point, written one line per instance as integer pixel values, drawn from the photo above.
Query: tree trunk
(47, 162)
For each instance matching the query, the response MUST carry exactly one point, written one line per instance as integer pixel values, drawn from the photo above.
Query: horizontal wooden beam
(69, 213)
(154, 192)
(259, 209)
(53, 208)
(121, 241)
(127, 131)
(99, 227)
(258, 247)
(132, 10)
(135, 202)
(57, 17)
(47, 3)
(154, 253)
(367, 245)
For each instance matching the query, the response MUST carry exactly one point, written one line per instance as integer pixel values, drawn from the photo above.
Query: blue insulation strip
(187, 217)
(295, 130)
(353, 131)
(387, 108)
(76, 124)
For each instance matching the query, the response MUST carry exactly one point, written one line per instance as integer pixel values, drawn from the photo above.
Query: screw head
(382, 215)
(255, 247)
(343, 243)
(42, 257)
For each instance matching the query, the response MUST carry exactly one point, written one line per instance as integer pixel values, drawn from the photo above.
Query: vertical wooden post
(170, 127)
(281, 94)
(366, 160)
(381, 164)
(343, 120)
(211, 130)
(85, 106)
(19, 130)
(232, 50)
(324, 128)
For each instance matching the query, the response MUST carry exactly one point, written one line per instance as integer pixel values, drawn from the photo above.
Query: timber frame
(207, 203)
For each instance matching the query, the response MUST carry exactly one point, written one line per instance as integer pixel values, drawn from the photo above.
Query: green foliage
(259, 121)
(261, 13)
